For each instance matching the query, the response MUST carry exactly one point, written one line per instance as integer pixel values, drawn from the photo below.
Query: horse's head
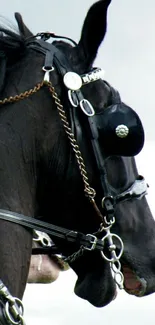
(56, 184)
(134, 222)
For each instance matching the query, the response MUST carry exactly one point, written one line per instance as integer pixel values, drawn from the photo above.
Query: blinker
(120, 129)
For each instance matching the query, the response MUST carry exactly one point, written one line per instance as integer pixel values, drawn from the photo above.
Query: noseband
(55, 59)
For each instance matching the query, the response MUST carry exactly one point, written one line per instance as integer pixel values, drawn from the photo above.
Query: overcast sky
(128, 57)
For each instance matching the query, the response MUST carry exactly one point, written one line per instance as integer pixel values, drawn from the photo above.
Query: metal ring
(91, 109)
(116, 266)
(9, 314)
(117, 257)
(72, 100)
(47, 69)
(119, 281)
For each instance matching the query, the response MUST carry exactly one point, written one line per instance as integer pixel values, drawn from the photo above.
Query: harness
(55, 59)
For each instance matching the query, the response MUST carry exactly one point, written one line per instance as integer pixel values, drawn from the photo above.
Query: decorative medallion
(72, 81)
(122, 131)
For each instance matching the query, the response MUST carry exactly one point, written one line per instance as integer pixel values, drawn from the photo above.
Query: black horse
(62, 164)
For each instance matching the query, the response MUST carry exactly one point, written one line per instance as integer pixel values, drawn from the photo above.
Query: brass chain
(26, 94)
(89, 191)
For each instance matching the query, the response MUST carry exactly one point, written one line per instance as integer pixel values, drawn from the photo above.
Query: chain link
(13, 307)
(117, 274)
(114, 258)
(74, 256)
(14, 312)
(26, 94)
(89, 191)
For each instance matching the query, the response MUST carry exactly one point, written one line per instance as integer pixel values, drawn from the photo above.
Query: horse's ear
(94, 29)
(24, 31)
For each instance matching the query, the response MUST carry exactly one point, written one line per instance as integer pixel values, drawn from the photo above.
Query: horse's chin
(100, 289)
(96, 293)
(95, 282)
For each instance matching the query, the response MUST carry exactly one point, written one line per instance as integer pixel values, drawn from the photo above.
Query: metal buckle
(108, 203)
(93, 241)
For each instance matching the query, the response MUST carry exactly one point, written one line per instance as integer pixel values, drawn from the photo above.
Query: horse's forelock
(12, 47)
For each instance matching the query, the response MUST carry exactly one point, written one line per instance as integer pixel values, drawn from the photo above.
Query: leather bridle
(55, 59)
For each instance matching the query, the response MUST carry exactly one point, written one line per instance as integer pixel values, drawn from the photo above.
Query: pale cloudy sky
(128, 58)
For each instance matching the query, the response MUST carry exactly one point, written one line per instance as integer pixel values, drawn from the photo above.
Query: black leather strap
(45, 250)
(88, 240)
(2, 69)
